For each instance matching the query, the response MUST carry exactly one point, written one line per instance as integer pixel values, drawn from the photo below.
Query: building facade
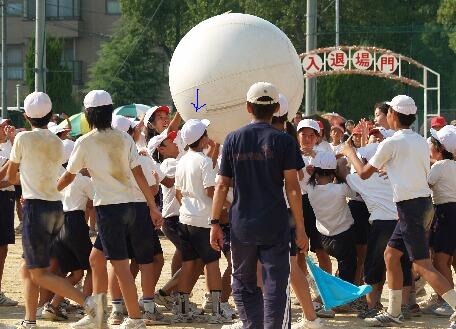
(82, 24)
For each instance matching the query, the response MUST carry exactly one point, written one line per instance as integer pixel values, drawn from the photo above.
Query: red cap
(438, 122)
(172, 136)
(321, 125)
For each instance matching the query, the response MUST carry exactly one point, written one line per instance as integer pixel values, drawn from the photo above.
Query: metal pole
(438, 94)
(425, 83)
(18, 97)
(4, 63)
(40, 70)
(311, 43)
(337, 22)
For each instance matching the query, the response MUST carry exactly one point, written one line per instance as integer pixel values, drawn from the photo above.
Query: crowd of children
(376, 197)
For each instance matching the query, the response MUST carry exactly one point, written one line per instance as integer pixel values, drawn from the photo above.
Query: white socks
(149, 305)
(450, 298)
(394, 302)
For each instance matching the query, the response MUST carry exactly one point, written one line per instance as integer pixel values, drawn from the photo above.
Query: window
(14, 8)
(14, 60)
(56, 9)
(112, 7)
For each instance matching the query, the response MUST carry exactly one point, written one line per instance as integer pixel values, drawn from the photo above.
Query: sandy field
(12, 286)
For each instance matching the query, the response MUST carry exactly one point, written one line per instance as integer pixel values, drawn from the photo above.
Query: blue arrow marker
(196, 106)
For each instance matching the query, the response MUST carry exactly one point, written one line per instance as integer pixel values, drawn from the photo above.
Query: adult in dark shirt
(257, 159)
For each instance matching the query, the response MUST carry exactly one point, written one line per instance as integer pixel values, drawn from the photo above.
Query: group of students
(365, 201)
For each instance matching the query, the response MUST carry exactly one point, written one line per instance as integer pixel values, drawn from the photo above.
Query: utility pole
(18, 97)
(337, 22)
(40, 46)
(4, 63)
(311, 43)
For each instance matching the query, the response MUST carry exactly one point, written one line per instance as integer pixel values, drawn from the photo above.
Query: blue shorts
(42, 221)
(195, 244)
(443, 229)
(411, 234)
(72, 245)
(119, 224)
(7, 201)
(170, 229)
(226, 248)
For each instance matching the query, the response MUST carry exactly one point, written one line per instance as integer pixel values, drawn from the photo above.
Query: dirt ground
(12, 286)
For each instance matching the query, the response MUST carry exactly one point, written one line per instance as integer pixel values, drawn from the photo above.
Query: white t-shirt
(378, 195)
(336, 148)
(442, 179)
(5, 149)
(76, 195)
(194, 173)
(406, 158)
(305, 180)
(170, 204)
(147, 166)
(329, 203)
(40, 155)
(9, 188)
(324, 146)
(109, 155)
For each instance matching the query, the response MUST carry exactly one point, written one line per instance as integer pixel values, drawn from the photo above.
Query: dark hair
(320, 172)
(99, 117)
(404, 119)
(40, 122)
(445, 154)
(194, 145)
(349, 121)
(264, 111)
(150, 132)
(291, 130)
(281, 119)
(383, 107)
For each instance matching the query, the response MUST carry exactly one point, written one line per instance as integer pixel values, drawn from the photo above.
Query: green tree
(59, 78)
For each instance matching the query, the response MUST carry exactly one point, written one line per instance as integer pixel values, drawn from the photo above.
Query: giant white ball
(222, 57)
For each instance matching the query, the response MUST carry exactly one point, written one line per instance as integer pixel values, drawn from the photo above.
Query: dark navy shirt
(255, 157)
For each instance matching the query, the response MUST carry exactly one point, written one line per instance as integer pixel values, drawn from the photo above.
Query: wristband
(213, 221)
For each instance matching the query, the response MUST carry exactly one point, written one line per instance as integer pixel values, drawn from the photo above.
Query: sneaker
(156, 318)
(6, 301)
(324, 313)
(218, 319)
(88, 323)
(193, 309)
(358, 306)
(367, 314)
(384, 319)
(228, 311)
(452, 325)
(405, 312)
(24, 325)
(444, 310)
(429, 305)
(453, 317)
(306, 324)
(420, 291)
(18, 229)
(132, 324)
(236, 325)
(52, 313)
(207, 302)
(190, 318)
(116, 318)
(165, 301)
(95, 307)
(39, 312)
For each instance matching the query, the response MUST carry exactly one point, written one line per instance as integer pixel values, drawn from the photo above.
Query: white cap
(283, 106)
(120, 122)
(261, 89)
(56, 129)
(68, 146)
(193, 129)
(403, 104)
(324, 160)
(51, 124)
(2, 121)
(447, 137)
(154, 109)
(308, 123)
(368, 151)
(37, 105)
(154, 142)
(134, 122)
(97, 98)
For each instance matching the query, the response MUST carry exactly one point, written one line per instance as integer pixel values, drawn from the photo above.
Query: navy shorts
(139, 240)
(411, 234)
(226, 248)
(42, 221)
(195, 244)
(7, 218)
(170, 229)
(360, 215)
(310, 225)
(17, 191)
(443, 229)
(72, 245)
(293, 247)
(374, 265)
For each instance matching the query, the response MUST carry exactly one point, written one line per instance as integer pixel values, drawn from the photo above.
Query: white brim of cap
(434, 134)
(205, 122)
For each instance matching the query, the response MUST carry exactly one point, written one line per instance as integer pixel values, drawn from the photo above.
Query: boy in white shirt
(194, 183)
(112, 160)
(39, 154)
(406, 158)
